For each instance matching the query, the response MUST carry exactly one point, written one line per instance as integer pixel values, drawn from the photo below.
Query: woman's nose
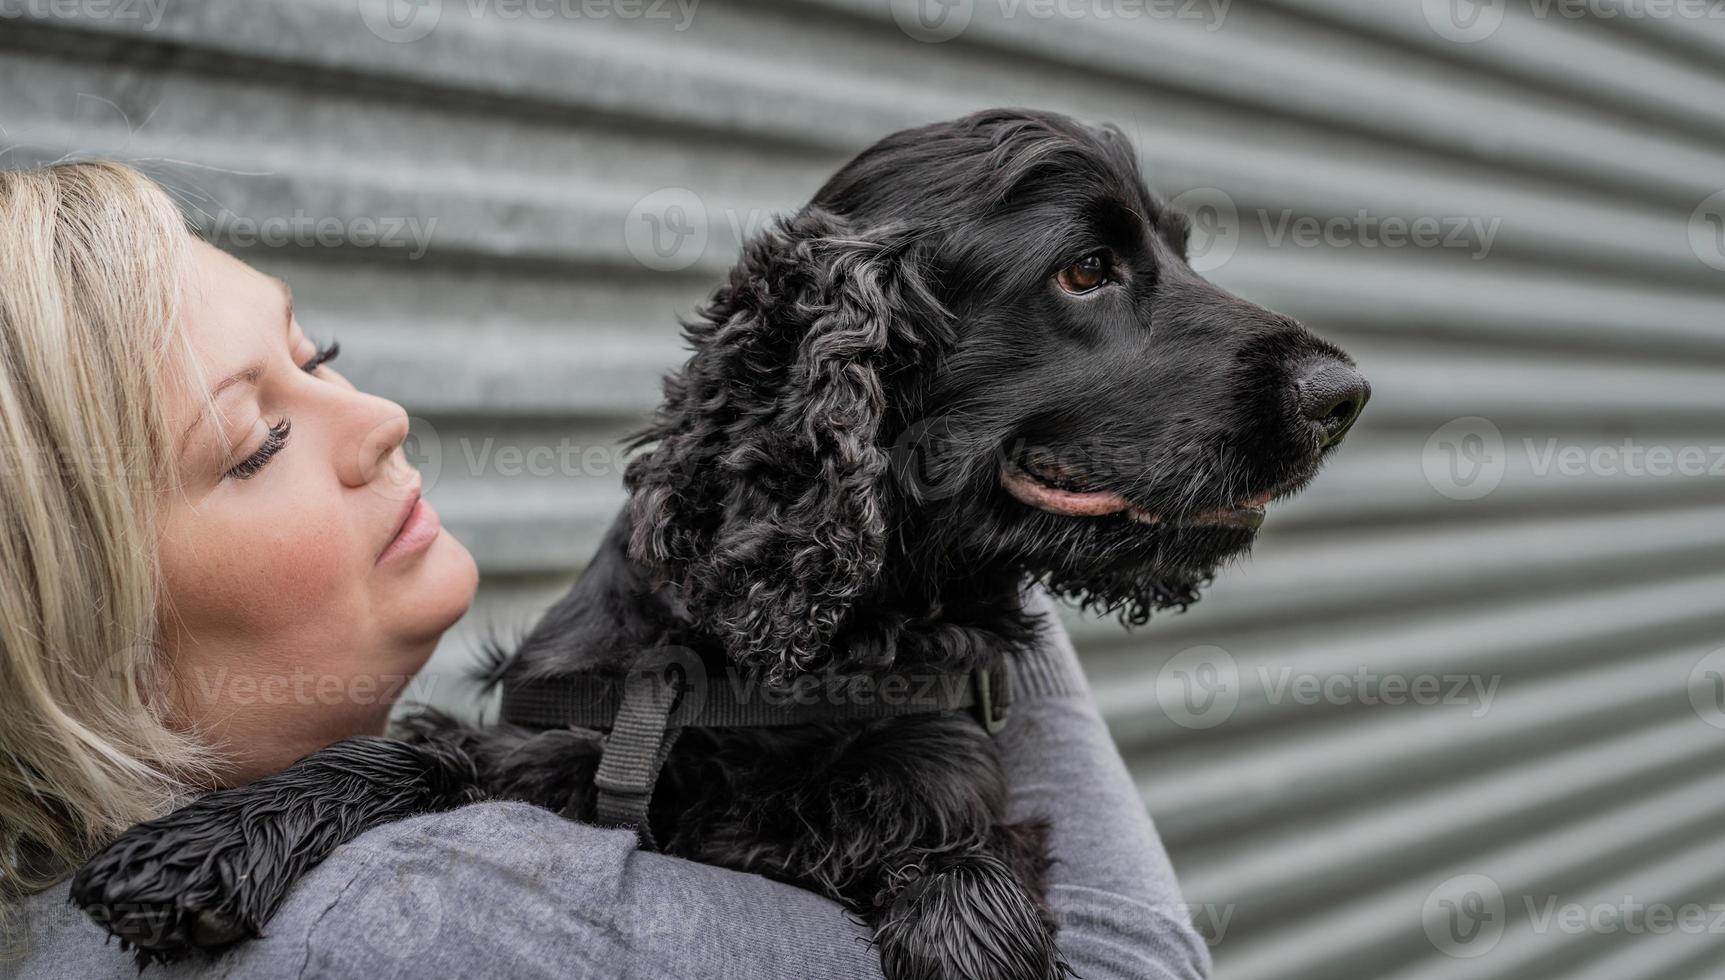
(380, 428)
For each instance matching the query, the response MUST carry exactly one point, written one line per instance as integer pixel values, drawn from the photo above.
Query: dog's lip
(1074, 503)
(1248, 513)
(1023, 485)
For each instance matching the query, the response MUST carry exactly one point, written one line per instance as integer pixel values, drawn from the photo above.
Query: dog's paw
(168, 887)
(162, 930)
(965, 918)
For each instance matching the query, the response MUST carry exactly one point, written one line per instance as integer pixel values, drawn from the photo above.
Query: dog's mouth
(1060, 489)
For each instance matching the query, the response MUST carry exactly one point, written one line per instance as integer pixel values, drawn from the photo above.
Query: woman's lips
(417, 531)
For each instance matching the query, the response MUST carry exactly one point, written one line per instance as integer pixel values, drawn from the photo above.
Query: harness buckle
(993, 696)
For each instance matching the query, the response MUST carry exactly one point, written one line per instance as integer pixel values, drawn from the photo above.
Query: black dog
(977, 357)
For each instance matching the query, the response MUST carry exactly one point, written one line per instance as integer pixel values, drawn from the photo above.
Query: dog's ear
(765, 495)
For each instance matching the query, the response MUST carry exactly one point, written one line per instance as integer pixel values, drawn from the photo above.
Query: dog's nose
(1331, 395)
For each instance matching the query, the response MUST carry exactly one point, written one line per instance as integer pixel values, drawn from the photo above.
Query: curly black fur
(821, 489)
(156, 894)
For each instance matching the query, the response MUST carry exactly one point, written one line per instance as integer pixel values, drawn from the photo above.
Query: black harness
(641, 713)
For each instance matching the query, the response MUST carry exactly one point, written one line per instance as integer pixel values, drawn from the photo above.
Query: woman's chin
(455, 578)
(437, 591)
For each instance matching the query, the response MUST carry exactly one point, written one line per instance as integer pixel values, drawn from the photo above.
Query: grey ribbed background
(1322, 836)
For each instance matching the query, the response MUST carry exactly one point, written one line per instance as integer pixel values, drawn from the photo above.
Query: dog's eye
(1177, 228)
(1084, 275)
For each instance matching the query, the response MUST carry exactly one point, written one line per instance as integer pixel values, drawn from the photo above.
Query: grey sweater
(507, 890)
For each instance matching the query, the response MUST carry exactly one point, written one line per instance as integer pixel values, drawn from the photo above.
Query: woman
(213, 561)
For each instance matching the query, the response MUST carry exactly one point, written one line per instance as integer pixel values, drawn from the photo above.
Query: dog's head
(978, 350)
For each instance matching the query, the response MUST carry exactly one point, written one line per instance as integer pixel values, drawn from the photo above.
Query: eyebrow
(251, 372)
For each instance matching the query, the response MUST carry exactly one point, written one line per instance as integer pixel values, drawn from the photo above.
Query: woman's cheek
(278, 653)
(261, 574)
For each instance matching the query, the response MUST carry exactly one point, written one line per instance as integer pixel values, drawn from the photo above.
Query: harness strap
(644, 712)
(633, 752)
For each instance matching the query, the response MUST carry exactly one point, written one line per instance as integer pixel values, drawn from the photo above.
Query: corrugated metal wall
(1467, 697)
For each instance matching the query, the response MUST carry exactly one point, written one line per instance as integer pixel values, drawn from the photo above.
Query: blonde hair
(90, 263)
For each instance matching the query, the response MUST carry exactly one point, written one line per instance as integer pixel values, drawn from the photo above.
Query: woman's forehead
(234, 318)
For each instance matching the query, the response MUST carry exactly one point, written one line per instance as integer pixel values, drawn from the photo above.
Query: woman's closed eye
(247, 468)
(323, 356)
(277, 436)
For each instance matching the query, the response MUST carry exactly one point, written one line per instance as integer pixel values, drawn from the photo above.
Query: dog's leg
(901, 820)
(212, 873)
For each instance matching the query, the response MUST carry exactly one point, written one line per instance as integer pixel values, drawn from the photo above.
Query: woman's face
(304, 580)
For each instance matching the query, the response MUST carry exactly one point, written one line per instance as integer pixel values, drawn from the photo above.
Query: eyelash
(323, 356)
(249, 467)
